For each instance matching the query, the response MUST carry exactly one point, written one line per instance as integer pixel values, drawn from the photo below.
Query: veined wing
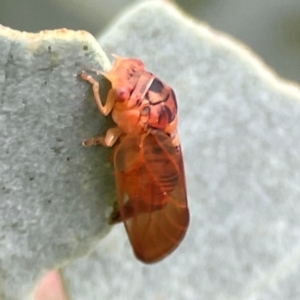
(151, 194)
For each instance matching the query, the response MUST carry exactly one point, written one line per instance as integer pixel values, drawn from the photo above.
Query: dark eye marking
(165, 113)
(156, 86)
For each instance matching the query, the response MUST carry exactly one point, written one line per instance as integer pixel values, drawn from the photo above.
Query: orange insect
(148, 164)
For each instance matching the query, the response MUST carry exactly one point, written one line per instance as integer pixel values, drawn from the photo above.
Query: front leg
(110, 138)
(110, 100)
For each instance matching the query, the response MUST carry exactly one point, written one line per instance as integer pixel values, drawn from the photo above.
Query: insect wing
(151, 194)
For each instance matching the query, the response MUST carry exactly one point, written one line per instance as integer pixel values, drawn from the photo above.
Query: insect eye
(122, 94)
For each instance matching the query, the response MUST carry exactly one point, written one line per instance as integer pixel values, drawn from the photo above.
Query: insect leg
(110, 101)
(110, 138)
(128, 211)
(115, 56)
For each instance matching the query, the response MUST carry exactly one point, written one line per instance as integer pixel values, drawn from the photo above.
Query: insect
(148, 163)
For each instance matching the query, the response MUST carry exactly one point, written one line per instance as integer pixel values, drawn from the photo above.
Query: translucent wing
(151, 194)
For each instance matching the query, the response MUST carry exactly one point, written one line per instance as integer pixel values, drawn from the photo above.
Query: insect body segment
(148, 162)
